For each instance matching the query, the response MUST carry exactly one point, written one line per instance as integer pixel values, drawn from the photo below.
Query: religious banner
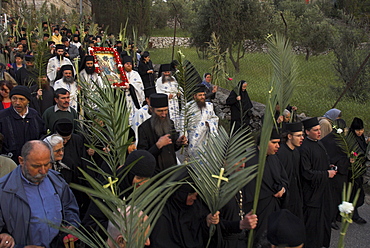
(108, 64)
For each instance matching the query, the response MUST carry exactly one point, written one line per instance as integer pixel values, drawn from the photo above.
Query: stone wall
(165, 42)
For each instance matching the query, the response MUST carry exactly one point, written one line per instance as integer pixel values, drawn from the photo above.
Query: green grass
(313, 94)
(168, 32)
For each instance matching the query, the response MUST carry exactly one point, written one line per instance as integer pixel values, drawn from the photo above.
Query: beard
(201, 105)
(161, 126)
(68, 80)
(34, 179)
(90, 69)
(166, 79)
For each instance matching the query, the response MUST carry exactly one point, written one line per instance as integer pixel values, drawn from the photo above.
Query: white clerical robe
(135, 81)
(139, 117)
(198, 131)
(53, 65)
(171, 88)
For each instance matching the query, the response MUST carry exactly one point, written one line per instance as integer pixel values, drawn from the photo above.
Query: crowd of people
(42, 149)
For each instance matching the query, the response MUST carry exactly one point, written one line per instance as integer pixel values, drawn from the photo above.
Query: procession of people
(42, 148)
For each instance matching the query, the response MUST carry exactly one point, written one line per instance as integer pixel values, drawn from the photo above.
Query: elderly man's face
(67, 73)
(37, 164)
(166, 73)
(161, 112)
(19, 103)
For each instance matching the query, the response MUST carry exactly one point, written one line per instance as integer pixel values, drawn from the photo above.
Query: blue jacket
(15, 211)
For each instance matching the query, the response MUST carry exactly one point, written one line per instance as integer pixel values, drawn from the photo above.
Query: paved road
(358, 236)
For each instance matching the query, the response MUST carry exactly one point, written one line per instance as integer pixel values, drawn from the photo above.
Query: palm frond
(218, 70)
(285, 67)
(216, 172)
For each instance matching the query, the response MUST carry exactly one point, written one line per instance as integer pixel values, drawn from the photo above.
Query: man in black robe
(316, 174)
(158, 135)
(27, 75)
(290, 158)
(273, 188)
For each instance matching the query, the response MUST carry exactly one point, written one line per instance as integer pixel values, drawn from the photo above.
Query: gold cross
(220, 177)
(110, 184)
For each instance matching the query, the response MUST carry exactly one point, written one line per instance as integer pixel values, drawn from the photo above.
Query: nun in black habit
(241, 106)
(184, 222)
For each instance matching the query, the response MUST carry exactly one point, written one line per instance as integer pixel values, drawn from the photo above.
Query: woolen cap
(310, 122)
(145, 54)
(158, 100)
(293, 127)
(145, 164)
(21, 90)
(285, 229)
(64, 127)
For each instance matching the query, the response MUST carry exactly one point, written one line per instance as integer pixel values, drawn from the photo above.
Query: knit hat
(21, 90)
(145, 165)
(285, 229)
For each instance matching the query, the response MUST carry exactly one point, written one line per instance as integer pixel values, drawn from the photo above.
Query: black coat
(148, 78)
(166, 156)
(17, 130)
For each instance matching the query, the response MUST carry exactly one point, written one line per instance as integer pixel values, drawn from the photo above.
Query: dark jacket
(17, 130)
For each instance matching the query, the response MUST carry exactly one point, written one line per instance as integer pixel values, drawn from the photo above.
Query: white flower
(339, 130)
(346, 207)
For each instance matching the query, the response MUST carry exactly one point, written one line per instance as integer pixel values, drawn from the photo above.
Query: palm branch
(125, 214)
(215, 171)
(279, 50)
(122, 33)
(187, 78)
(285, 68)
(104, 104)
(218, 69)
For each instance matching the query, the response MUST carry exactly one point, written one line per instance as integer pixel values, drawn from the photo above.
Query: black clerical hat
(126, 59)
(200, 88)
(149, 90)
(60, 46)
(285, 229)
(275, 134)
(293, 127)
(89, 58)
(145, 164)
(158, 100)
(311, 122)
(357, 124)
(66, 67)
(165, 67)
(63, 127)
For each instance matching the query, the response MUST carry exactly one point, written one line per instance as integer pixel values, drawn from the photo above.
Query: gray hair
(53, 140)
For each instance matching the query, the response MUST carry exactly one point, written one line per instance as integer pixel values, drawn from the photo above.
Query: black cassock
(181, 226)
(317, 198)
(290, 159)
(340, 159)
(274, 179)
(166, 156)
